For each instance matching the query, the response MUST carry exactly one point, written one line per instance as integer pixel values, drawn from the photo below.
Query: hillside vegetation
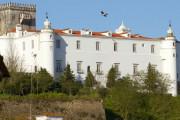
(51, 104)
(142, 96)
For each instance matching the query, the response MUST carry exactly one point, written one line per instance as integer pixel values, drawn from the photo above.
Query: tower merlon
(18, 6)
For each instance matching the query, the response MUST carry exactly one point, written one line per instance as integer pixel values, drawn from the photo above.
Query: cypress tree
(67, 80)
(111, 78)
(90, 80)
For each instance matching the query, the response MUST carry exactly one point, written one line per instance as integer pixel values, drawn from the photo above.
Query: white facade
(54, 49)
(48, 118)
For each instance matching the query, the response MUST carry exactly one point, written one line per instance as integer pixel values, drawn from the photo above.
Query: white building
(48, 118)
(53, 49)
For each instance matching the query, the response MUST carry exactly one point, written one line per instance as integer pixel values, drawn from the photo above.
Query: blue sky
(147, 17)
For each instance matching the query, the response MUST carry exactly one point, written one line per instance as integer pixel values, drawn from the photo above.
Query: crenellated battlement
(12, 14)
(18, 6)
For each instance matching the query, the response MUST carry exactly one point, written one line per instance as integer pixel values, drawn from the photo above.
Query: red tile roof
(94, 34)
(101, 34)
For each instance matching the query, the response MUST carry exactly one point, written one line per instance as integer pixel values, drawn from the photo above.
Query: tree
(155, 82)
(68, 83)
(41, 81)
(111, 78)
(90, 81)
(26, 83)
(123, 99)
(20, 85)
(13, 61)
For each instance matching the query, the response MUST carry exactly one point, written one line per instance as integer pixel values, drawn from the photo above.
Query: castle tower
(15, 13)
(47, 48)
(168, 57)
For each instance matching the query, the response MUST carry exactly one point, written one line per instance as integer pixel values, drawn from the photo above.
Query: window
(13, 17)
(97, 46)
(115, 46)
(23, 45)
(135, 69)
(143, 45)
(154, 67)
(174, 55)
(35, 68)
(78, 44)
(79, 67)
(99, 69)
(116, 66)
(134, 48)
(58, 65)
(58, 43)
(152, 48)
(32, 44)
(50, 36)
(174, 44)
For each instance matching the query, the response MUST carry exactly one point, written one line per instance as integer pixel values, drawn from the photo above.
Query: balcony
(80, 71)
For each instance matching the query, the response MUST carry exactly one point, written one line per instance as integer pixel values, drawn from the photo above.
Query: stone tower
(12, 14)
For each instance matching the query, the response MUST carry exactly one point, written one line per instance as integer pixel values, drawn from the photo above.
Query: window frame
(97, 46)
(134, 48)
(135, 69)
(115, 47)
(99, 67)
(79, 67)
(78, 45)
(152, 49)
(116, 67)
(59, 66)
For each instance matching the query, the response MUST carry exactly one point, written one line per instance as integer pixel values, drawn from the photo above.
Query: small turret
(122, 29)
(170, 33)
(47, 23)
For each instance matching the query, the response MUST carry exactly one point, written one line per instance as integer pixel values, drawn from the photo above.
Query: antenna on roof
(46, 15)
(170, 23)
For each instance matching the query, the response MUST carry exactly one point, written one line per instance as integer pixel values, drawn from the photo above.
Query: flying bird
(105, 14)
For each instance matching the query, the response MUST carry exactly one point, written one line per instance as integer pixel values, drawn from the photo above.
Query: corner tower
(168, 57)
(12, 14)
(47, 48)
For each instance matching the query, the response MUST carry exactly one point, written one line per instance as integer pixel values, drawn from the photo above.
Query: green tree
(90, 81)
(42, 80)
(155, 82)
(111, 78)
(123, 99)
(19, 85)
(25, 83)
(68, 83)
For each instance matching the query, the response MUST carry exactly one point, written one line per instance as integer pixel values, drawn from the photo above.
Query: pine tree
(154, 81)
(90, 81)
(67, 80)
(111, 78)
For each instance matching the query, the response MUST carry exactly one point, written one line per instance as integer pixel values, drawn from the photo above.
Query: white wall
(69, 54)
(124, 55)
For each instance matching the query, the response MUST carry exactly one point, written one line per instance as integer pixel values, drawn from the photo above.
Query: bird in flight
(105, 14)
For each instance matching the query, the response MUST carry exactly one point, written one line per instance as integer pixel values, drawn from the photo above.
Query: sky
(147, 17)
